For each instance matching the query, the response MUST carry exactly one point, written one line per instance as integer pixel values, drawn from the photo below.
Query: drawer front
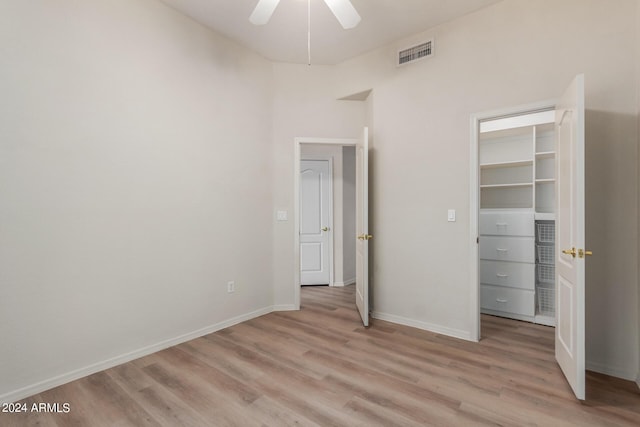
(518, 249)
(515, 274)
(508, 300)
(507, 223)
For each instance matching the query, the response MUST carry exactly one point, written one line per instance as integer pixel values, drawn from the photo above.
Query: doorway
(357, 148)
(512, 210)
(361, 149)
(527, 212)
(327, 214)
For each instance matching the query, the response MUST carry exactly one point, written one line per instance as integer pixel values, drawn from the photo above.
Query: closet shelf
(506, 164)
(545, 181)
(510, 185)
(545, 154)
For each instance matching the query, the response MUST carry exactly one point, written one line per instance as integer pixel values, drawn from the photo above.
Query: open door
(362, 227)
(570, 236)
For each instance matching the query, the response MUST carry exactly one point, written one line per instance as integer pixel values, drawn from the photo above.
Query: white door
(315, 203)
(362, 227)
(570, 236)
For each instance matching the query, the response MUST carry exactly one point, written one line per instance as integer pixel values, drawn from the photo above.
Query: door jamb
(298, 141)
(474, 201)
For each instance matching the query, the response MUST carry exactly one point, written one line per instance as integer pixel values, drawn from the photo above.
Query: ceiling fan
(342, 9)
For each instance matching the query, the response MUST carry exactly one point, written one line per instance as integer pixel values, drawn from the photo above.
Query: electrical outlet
(231, 287)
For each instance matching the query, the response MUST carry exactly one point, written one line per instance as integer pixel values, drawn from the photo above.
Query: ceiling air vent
(414, 53)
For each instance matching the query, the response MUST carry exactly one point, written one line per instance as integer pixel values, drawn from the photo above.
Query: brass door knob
(571, 252)
(583, 253)
(325, 228)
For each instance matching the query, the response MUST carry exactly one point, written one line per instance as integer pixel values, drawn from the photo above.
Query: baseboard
(455, 333)
(638, 379)
(612, 371)
(284, 307)
(39, 387)
(347, 282)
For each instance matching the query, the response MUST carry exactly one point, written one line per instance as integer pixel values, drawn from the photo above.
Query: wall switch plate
(231, 287)
(451, 215)
(282, 215)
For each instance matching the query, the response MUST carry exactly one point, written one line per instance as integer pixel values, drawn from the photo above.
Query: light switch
(451, 215)
(282, 215)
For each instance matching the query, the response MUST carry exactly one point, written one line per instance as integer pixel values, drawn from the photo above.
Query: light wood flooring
(318, 366)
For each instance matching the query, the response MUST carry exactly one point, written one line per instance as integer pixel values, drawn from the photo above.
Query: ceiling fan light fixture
(344, 12)
(263, 11)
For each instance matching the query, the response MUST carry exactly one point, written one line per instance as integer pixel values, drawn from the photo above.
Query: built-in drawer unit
(502, 273)
(518, 249)
(501, 223)
(508, 300)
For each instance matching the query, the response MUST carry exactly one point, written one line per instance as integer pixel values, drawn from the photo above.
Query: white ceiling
(284, 38)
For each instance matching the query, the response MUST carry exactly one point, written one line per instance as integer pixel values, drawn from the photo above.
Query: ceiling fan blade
(344, 12)
(263, 11)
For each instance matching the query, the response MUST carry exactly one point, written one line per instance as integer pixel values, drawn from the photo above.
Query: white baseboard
(455, 333)
(347, 282)
(284, 307)
(638, 379)
(612, 371)
(39, 387)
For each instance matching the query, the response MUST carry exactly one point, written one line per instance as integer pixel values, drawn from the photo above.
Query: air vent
(415, 53)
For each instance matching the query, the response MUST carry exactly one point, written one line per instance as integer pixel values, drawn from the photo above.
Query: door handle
(582, 253)
(325, 228)
(571, 252)
(365, 237)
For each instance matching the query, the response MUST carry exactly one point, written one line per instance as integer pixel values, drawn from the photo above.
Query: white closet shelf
(510, 185)
(507, 164)
(545, 181)
(545, 154)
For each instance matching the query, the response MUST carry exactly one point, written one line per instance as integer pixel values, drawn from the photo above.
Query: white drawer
(518, 249)
(508, 300)
(514, 274)
(505, 223)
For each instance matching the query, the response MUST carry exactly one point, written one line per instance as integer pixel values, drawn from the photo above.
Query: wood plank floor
(319, 367)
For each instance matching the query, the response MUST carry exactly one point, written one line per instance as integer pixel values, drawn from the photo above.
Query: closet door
(570, 236)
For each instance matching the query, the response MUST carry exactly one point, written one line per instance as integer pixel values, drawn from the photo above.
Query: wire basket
(546, 254)
(546, 273)
(546, 301)
(546, 232)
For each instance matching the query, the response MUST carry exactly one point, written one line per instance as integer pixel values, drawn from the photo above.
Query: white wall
(513, 53)
(135, 150)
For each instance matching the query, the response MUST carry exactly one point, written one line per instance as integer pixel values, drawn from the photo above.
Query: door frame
(298, 141)
(329, 160)
(474, 200)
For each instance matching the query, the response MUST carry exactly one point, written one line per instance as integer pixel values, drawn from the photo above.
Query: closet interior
(517, 217)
